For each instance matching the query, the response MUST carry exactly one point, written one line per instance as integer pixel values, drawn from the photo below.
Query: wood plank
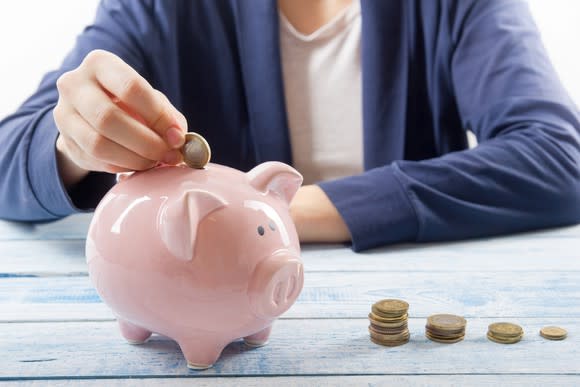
(67, 257)
(42, 258)
(72, 227)
(76, 226)
(527, 252)
(322, 381)
(34, 312)
(297, 347)
(337, 294)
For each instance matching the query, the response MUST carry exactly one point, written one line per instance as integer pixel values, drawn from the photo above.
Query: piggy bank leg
(201, 352)
(132, 333)
(259, 339)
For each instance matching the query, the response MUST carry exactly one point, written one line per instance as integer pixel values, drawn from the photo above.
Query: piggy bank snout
(275, 285)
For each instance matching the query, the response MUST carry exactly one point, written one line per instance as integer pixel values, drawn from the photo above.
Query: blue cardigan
(431, 71)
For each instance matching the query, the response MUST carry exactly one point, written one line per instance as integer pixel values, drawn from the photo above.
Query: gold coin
(389, 317)
(389, 343)
(390, 320)
(444, 340)
(389, 325)
(504, 340)
(389, 328)
(505, 329)
(553, 333)
(196, 151)
(391, 306)
(388, 332)
(446, 322)
(398, 337)
(445, 335)
(444, 332)
(401, 334)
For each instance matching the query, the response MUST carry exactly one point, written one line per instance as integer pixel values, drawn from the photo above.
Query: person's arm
(31, 187)
(316, 218)
(525, 172)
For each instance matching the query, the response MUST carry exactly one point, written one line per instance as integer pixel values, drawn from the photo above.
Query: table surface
(53, 326)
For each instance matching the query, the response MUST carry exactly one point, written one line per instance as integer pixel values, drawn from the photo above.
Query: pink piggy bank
(203, 256)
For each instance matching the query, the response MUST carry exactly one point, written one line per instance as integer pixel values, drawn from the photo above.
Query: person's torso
(322, 90)
(228, 79)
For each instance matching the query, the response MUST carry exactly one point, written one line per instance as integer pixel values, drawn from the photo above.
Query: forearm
(30, 187)
(524, 180)
(316, 218)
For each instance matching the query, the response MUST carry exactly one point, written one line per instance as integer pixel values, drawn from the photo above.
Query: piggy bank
(202, 256)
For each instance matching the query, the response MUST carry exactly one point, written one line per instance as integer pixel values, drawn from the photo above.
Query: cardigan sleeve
(525, 172)
(30, 186)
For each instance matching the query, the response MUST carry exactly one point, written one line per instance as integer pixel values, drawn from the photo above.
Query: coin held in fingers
(196, 151)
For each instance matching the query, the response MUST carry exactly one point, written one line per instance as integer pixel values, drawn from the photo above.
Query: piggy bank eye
(272, 226)
(261, 230)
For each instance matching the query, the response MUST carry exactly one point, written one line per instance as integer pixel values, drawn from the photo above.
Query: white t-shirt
(322, 85)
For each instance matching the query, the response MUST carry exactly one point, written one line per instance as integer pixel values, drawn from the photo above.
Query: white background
(35, 35)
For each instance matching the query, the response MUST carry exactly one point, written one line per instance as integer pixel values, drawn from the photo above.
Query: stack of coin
(388, 322)
(445, 328)
(196, 151)
(505, 333)
(553, 333)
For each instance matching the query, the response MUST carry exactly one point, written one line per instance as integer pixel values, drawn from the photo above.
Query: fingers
(111, 119)
(133, 90)
(113, 123)
(84, 161)
(174, 137)
(93, 151)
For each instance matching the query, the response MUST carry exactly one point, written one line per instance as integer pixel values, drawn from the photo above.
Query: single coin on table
(553, 333)
(196, 151)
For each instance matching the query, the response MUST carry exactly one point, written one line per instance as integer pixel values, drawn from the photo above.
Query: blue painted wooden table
(54, 328)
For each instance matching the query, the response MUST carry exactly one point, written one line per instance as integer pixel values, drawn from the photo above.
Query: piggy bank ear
(179, 221)
(276, 177)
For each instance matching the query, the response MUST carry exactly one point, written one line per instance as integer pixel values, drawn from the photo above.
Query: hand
(316, 218)
(112, 120)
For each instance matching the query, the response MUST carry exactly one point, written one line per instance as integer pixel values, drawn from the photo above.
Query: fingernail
(175, 137)
(181, 122)
(172, 157)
